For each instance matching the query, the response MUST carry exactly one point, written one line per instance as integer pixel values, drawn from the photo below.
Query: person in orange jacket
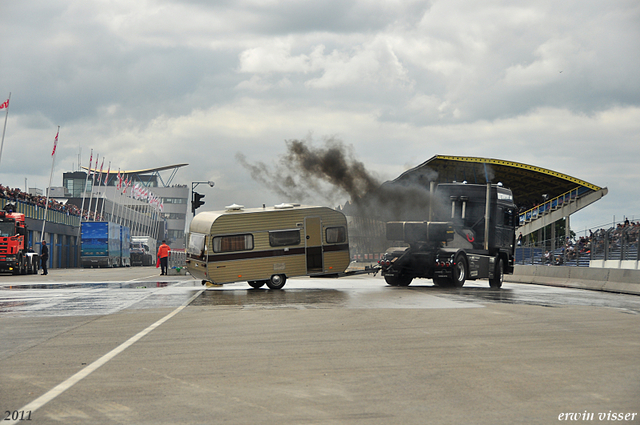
(163, 257)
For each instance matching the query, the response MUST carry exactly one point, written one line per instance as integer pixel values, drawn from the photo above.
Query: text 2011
(17, 415)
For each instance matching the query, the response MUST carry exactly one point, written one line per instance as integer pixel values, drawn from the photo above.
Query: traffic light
(196, 202)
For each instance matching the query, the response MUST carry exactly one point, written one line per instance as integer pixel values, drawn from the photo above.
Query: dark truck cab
(471, 236)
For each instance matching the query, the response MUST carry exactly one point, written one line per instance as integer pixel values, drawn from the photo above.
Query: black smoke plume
(331, 173)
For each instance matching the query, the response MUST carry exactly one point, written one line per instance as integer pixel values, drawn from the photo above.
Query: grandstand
(543, 196)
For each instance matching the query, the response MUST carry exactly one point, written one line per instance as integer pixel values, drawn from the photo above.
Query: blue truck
(104, 244)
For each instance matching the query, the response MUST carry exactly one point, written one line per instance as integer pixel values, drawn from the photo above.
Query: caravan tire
(277, 281)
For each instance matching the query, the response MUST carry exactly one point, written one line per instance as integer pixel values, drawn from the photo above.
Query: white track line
(71, 381)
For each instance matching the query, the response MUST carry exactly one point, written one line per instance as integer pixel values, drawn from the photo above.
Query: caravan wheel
(277, 281)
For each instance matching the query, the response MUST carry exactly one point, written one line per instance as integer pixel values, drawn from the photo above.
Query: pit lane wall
(599, 279)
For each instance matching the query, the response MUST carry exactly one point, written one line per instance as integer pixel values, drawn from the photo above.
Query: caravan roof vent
(282, 206)
(234, 207)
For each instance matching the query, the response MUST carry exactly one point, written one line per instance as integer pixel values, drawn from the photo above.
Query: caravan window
(284, 237)
(336, 234)
(196, 244)
(232, 243)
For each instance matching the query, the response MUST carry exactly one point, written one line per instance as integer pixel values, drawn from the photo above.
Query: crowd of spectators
(16, 195)
(622, 238)
(622, 235)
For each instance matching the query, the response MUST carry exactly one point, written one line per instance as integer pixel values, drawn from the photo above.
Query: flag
(106, 179)
(55, 141)
(126, 184)
(119, 178)
(4, 104)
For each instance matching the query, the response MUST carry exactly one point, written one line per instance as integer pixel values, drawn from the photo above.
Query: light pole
(544, 207)
(196, 197)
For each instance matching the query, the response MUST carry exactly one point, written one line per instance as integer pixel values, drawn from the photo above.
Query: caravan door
(313, 244)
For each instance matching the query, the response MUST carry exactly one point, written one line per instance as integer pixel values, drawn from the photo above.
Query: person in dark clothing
(44, 256)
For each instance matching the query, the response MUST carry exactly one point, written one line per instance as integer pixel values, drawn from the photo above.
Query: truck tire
(277, 281)
(498, 275)
(460, 271)
(398, 280)
(255, 284)
(441, 281)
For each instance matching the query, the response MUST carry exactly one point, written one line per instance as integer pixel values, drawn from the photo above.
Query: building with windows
(141, 199)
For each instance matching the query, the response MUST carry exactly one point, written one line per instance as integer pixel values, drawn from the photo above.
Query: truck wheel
(398, 280)
(257, 283)
(277, 281)
(441, 281)
(459, 273)
(498, 275)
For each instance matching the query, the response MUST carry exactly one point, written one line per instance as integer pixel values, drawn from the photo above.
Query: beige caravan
(267, 245)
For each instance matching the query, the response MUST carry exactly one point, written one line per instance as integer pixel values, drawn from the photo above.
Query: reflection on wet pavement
(264, 298)
(85, 285)
(99, 298)
(544, 296)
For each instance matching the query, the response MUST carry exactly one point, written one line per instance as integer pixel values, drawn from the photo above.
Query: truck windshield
(7, 229)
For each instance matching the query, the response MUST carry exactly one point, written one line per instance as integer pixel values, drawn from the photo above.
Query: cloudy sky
(156, 82)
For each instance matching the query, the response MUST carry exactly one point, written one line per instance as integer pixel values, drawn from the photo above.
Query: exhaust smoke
(331, 174)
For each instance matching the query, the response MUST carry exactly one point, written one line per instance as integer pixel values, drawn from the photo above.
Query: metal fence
(617, 243)
(37, 212)
(177, 260)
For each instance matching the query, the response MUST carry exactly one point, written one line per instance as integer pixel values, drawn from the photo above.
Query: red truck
(15, 255)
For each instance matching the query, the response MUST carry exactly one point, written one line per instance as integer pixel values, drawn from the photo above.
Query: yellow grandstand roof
(527, 182)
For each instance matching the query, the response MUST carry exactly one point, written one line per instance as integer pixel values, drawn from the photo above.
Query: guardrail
(617, 247)
(37, 213)
(609, 280)
(553, 204)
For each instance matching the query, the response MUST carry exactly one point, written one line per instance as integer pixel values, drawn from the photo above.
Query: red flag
(106, 179)
(4, 104)
(119, 185)
(55, 143)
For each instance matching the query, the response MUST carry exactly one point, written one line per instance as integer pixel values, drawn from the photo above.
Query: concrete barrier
(599, 279)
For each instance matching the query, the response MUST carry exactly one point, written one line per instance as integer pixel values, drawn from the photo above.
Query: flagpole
(5, 126)
(95, 210)
(46, 205)
(106, 181)
(113, 205)
(93, 183)
(84, 192)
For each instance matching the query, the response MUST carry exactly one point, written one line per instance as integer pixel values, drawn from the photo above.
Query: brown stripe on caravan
(245, 255)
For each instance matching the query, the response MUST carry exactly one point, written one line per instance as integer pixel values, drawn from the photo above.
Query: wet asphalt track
(349, 350)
